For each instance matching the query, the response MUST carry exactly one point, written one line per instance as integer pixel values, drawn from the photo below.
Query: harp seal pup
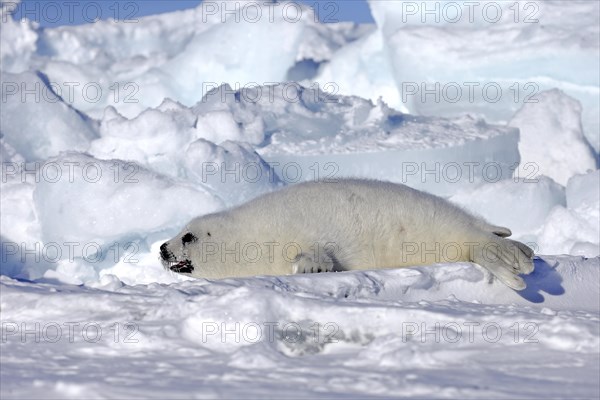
(349, 224)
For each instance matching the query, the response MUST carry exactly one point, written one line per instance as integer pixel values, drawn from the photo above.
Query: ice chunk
(521, 205)
(362, 68)
(95, 202)
(321, 41)
(20, 231)
(233, 52)
(18, 39)
(8, 155)
(309, 134)
(571, 231)
(19, 225)
(181, 54)
(156, 138)
(494, 56)
(552, 142)
(171, 139)
(538, 212)
(232, 170)
(575, 229)
(218, 126)
(584, 190)
(36, 122)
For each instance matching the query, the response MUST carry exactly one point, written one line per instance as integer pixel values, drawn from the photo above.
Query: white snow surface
(194, 115)
(433, 332)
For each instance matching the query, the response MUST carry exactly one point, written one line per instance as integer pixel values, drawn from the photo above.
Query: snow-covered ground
(432, 332)
(114, 134)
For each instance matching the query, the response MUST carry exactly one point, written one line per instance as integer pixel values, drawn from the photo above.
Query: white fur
(348, 225)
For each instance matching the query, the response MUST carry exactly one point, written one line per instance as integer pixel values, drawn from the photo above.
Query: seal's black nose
(164, 253)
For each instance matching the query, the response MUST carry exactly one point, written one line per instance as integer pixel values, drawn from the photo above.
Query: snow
(438, 331)
(114, 135)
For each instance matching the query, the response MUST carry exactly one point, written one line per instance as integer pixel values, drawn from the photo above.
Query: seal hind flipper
(505, 259)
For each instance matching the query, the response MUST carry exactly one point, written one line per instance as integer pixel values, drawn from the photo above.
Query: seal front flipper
(306, 264)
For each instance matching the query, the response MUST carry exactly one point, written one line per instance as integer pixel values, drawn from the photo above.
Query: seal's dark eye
(188, 237)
